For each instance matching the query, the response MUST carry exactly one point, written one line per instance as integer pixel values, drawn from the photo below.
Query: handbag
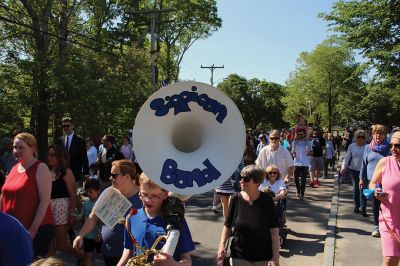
(228, 242)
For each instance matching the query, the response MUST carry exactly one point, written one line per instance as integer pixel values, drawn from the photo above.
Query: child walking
(91, 241)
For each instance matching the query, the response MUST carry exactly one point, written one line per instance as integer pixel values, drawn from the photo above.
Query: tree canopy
(90, 60)
(324, 84)
(258, 101)
(371, 27)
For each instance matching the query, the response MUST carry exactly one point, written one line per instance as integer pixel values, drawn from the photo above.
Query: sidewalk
(354, 243)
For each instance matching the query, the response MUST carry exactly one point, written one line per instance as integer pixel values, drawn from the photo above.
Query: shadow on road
(204, 256)
(302, 248)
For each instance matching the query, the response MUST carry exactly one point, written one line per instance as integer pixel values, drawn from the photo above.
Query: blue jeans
(376, 204)
(363, 198)
(355, 180)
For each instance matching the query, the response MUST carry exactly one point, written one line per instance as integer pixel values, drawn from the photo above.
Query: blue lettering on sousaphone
(180, 104)
(183, 179)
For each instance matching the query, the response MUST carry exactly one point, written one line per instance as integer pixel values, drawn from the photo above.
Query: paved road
(306, 221)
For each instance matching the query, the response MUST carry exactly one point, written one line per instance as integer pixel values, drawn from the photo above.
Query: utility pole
(212, 67)
(153, 36)
(309, 108)
(152, 41)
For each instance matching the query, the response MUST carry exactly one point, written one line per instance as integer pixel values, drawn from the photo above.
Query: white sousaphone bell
(189, 137)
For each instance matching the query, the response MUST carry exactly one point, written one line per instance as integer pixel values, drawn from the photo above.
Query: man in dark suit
(76, 147)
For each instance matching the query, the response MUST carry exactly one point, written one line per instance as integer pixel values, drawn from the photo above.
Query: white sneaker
(375, 232)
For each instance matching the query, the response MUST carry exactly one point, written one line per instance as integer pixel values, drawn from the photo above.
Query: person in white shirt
(276, 154)
(91, 151)
(274, 183)
(126, 148)
(300, 149)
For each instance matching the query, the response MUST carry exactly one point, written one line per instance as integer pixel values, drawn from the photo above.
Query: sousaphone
(189, 137)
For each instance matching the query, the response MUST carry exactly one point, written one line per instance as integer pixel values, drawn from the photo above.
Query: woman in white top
(352, 164)
(126, 148)
(273, 182)
(91, 151)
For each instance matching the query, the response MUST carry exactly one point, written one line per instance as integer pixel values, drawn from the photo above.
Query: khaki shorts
(316, 164)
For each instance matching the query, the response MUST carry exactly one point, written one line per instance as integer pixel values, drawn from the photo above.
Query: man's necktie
(67, 143)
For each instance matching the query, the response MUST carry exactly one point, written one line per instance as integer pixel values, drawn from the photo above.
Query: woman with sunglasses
(387, 176)
(63, 199)
(252, 214)
(273, 182)
(376, 150)
(124, 178)
(351, 165)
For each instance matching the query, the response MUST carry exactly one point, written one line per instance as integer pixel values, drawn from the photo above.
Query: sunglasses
(361, 137)
(66, 126)
(114, 176)
(274, 138)
(272, 173)
(397, 146)
(245, 178)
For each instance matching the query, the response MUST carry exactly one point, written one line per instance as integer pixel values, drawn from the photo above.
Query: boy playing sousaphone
(149, 223)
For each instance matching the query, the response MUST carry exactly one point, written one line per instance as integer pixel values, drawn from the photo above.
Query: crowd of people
(46, 201)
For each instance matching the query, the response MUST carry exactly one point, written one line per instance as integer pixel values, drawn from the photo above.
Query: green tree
(87, 59)
(381, 105)
(258, 101)
(324, 77)
(371, 27)
(189, 22)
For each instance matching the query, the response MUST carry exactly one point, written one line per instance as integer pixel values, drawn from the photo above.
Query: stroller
(280, 208)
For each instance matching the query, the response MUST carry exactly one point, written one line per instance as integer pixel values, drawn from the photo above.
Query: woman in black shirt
(255, 223)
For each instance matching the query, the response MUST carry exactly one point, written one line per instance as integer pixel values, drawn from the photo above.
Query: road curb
(329, 246)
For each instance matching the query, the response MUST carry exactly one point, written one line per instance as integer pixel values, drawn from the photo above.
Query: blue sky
(258, 39)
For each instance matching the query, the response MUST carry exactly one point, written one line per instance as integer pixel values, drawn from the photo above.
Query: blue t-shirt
(146, 231)
(113, 240)
(15, 242)
(369, 162)
(86, 210)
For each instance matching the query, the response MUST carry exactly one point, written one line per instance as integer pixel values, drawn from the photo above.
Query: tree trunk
(168, 65)
(40, 84)
(65, 15)
(40, 109)
(330, 107)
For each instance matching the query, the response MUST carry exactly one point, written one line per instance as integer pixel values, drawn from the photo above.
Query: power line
(56, 36)
(69, 30)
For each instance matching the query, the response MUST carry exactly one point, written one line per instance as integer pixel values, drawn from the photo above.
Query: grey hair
(255, 172)
(274, 132)
(359, 132)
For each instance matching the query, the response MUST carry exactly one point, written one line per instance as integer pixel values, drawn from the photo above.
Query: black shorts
(42, 240)
(89, 245)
